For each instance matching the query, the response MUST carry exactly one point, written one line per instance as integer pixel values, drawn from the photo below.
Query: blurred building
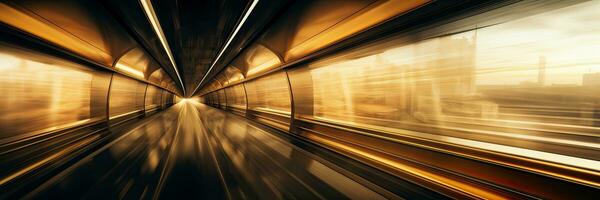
(591, 79)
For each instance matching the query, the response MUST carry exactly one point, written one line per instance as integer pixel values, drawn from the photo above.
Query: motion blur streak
(149, 11)
(24, 81)
(28, 22)
(468, 189)
(49, 158)
(310, 99)
(189, 156)
(518, 90)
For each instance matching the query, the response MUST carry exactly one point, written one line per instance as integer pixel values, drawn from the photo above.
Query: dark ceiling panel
(196, 31)
(131, 15)
(265, 12)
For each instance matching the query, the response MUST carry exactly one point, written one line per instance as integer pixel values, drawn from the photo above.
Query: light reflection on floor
(194, 151)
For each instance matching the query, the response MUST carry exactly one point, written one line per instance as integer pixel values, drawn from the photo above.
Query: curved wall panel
(486, 99)
(126, 96)
(40, 93)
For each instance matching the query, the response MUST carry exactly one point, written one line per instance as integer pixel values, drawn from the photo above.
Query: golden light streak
(354, 24)
(522, 152)
(27, 79)
(254, 2)
(129, 70)
(269, 93)
(264, 66)
(440, 180)
(27, 22)
(560, 161)
(149, 11)
(124, 114)
(35, 165)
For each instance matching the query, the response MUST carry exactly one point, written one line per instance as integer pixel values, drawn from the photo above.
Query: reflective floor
(180, 154)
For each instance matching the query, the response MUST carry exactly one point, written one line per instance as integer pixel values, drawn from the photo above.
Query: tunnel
(305, 99)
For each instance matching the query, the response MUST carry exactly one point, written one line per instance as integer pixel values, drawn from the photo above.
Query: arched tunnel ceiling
(195, 31)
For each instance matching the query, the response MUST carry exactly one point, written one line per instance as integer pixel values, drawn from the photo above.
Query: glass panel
(209, 98)
(236, 97)
(214, 99)
(152, 97)
(165, 98)
(126, 96)
(165, 94)
(222, 98)
(160, 97)
(169, 98)
(40, 93)
(535, 79)
(269, 93)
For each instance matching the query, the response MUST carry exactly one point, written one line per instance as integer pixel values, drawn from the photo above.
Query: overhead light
(129, 70)
(228, 42)
(149, 11)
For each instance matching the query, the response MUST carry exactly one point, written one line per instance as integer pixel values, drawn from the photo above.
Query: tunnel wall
(51, 102)
(453, 102)
(69, 64)
(71, 79)
(40, 93)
